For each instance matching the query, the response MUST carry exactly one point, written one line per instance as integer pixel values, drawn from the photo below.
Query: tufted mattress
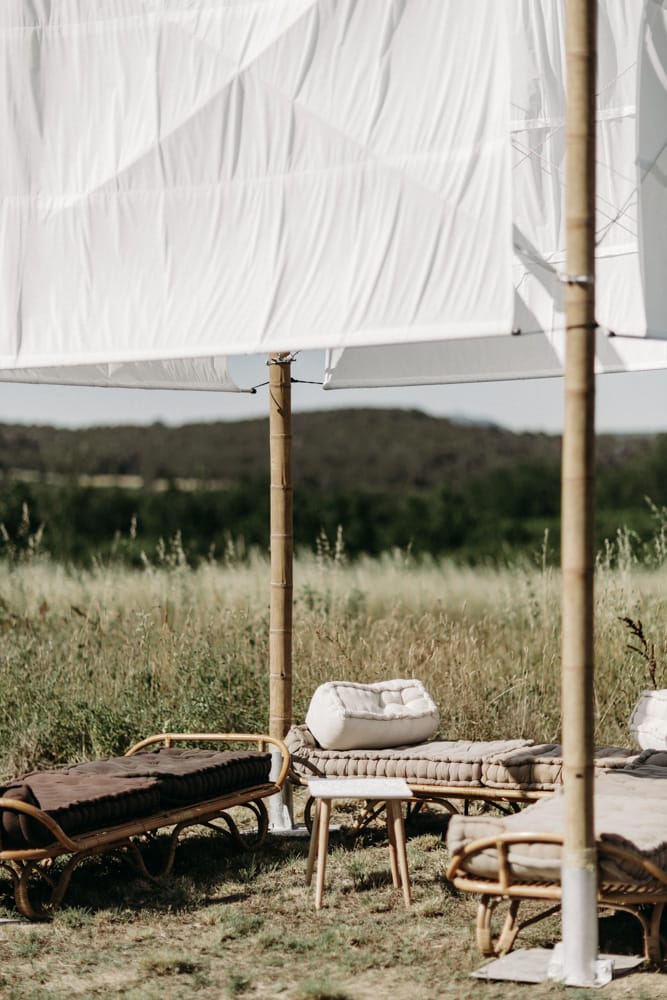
(630, 811)
(103, 793)
(437, 762)
(540, 767)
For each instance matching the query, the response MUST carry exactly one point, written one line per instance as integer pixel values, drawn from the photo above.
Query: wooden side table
(391, 791)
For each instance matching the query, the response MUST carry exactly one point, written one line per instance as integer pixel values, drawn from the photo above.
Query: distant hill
(371, 449)
(391, 479)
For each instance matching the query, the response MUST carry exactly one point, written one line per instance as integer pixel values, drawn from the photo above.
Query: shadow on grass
(209, 870)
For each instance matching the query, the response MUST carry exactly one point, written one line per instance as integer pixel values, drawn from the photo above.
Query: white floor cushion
(345, 716)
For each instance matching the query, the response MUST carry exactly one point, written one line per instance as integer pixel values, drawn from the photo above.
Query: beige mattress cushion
(540, 767)
(630, 811)
(438, 762)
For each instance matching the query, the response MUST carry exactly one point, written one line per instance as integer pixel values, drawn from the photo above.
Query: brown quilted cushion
(76, 802)
(103, 793)
(184, 776)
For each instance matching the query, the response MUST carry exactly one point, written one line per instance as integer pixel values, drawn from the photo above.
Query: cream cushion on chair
(345, 716)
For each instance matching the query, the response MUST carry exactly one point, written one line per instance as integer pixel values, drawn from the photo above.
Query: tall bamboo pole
(280, 629)
(579, 876)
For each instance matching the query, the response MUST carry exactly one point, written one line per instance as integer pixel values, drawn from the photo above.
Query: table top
(359, 788)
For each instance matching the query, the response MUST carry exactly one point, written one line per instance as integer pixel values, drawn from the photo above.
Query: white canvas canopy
(202, 374)
(181, 179)
(631, 210)
(105, 253)
(484, 359)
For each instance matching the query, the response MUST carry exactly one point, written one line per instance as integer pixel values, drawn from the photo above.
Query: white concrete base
(280, 807)
(575, 960)
(534, 965)
(297, 832)
(598, 973)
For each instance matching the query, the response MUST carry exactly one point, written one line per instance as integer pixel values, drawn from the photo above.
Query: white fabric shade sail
(209, 374)
(631, 222)
(181, 179)
(484, 359)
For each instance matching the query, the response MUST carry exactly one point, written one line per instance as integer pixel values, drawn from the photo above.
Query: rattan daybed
(505, 773)
(509, 859)
(103, 806)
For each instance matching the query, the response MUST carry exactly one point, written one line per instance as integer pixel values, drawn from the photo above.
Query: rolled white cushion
(346, 716)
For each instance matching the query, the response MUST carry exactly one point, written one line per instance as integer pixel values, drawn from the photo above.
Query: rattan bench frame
(25, 864)
(454, 799)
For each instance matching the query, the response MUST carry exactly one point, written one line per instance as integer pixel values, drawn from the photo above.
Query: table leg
(402, 857)
(391, 835)
(312, 850)
(323, 846)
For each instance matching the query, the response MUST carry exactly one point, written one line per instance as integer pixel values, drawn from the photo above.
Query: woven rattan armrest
(643, 897)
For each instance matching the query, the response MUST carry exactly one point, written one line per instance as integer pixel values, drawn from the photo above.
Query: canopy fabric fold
(181, 179)
(538, 89)
(484, 359)
(631, 220)
(170, 373)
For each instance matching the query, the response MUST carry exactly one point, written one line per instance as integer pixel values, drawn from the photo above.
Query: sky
(626, 403)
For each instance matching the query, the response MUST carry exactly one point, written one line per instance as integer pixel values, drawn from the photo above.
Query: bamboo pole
(280, 629)
(579, 875)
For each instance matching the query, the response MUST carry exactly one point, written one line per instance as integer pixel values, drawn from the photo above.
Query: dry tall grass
(92, 660)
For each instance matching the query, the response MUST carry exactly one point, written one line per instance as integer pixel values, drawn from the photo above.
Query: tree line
(389, 478)
(497, 513)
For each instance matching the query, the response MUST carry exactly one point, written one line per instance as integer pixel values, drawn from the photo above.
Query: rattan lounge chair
(506, 860)
(102, 806)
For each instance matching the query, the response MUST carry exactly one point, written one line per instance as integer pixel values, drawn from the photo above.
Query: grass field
(92, 661)
(243, 925)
